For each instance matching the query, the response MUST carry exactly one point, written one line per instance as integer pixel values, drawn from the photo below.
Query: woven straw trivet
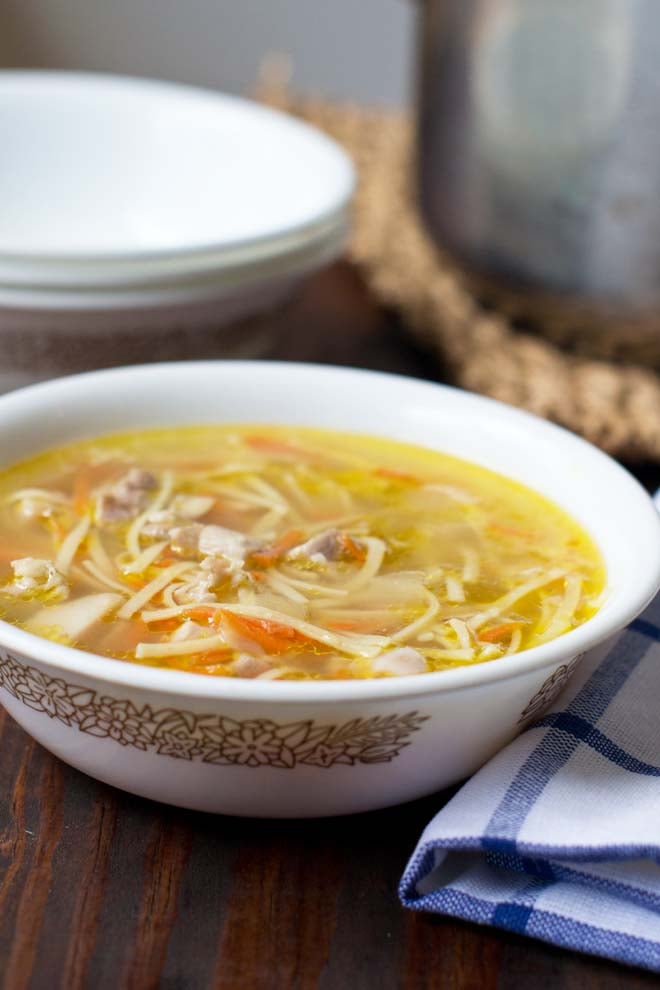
(615, 406)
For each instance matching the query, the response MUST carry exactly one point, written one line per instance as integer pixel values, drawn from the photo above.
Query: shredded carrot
(201, 613)
(81, 490)
(263, 558)
(275, 446)
(273, 637)
(351, 548)
(351, 625)
(270, 555)
(165, 561)
(395, 475)
(497, 633)
(166, 625)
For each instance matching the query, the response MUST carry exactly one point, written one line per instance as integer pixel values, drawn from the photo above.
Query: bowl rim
(602, 626)
(231, 265)
(182, 287)
(266, 244)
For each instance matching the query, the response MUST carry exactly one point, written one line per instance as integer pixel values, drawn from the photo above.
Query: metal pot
(539, 160)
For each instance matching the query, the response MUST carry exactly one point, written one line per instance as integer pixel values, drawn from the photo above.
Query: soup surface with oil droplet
(283, 553)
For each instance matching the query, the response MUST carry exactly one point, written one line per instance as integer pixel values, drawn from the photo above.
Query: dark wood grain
(102, 890)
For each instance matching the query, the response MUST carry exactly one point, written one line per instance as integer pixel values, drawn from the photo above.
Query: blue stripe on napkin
(583, 731)
(569, 846)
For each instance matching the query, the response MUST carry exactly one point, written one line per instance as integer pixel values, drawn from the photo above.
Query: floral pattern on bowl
(213, 739)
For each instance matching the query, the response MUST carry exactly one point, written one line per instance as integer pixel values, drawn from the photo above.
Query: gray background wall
(356, 49)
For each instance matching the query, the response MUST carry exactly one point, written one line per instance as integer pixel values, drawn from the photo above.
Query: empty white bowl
(121, 194)
(110, 169)
(312, 748)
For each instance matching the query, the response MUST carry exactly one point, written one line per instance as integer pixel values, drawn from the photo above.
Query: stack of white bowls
(133, 205)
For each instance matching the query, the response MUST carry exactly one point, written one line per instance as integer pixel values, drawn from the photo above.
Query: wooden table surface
(102, 890)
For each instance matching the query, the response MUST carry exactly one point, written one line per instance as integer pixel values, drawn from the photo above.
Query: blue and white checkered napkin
(558, 837)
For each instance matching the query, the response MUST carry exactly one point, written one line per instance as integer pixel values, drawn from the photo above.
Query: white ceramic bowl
(122, 195)
(107, 176)
(294, 749)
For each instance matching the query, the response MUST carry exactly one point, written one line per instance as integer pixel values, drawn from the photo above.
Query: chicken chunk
(400, 662)
(194, 593)
(159, 524)
(216, 541)
(189, 630)
(217, 568)
(180, 513)
(199, 590)
(190, 539)
(320, 548)
(33, 576)
(126, 498)
(247, 666)
(184, 540)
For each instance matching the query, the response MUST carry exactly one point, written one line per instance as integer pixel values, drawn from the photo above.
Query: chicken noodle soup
(286, 554)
